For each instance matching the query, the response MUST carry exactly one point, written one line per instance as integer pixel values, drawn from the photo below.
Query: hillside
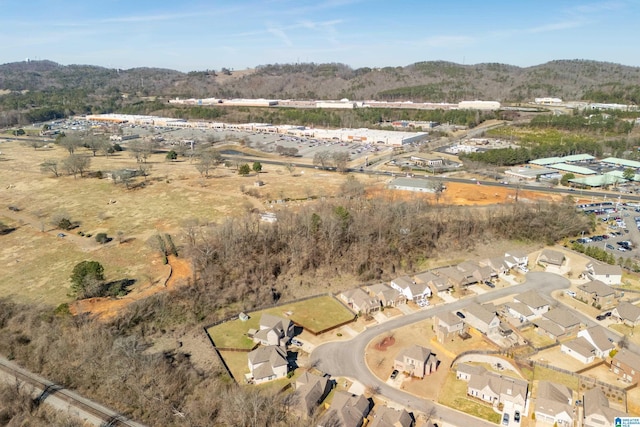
(435, 81)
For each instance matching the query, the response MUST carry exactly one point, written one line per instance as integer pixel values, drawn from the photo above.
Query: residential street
(346, 358)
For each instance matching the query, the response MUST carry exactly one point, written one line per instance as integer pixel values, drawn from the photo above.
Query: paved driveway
(346, 358)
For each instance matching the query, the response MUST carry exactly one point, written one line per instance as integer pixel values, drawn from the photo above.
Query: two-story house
(417, 361)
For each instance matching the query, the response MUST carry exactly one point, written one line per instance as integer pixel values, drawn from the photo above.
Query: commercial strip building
(362, 135)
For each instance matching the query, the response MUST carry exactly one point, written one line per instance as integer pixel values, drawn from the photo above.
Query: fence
(220, 358)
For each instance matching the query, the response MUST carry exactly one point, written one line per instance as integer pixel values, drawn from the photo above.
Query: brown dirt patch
(385, 343)
(467, 195)
(176, 273)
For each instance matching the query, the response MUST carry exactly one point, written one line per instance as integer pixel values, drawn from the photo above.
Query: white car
(524, 269)
(570, 293)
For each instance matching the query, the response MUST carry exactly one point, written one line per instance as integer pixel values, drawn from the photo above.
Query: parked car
(460, 315)
(61, 235)
(570, 293)
(296, 342)
(516, 416)
(610, 247)
(394, 374)
(601, 317)
(621, 249)
(489, 284)
(505, 419)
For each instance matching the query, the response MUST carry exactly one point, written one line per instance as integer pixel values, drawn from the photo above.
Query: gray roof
(416, 352)
(551, 257)
(595, 402)
(265, 359)
(516, 253)
(425, 277)
(448, 318)
(311, 390)
(470, 369)
(552, 327)
(599, 337)
(388, 417)
(629, 358)
(269, 321)
(553, 391)
(628, 311)
(500, 384)
(581, 346)
(346, 410)
(598, 288)
(554, 399)
(562, 317)
(480, 312)
(378, 287)
(531, 299)
(403, 281)
(604, 269)
(520, 308)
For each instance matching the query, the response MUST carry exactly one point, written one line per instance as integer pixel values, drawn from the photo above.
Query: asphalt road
(347, 358)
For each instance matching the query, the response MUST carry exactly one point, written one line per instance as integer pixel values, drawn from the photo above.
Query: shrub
(102, 238)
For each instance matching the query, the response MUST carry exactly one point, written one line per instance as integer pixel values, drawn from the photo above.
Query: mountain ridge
(436, 81)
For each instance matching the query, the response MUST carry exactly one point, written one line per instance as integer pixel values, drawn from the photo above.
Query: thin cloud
(279, 33)
(557, 26)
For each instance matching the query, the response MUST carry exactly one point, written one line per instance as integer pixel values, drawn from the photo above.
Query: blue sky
(199, 34)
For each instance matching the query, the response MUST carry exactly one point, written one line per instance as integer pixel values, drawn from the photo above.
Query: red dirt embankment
(177, 273)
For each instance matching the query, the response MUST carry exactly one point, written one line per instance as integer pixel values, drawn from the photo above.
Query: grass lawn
(238, 363)
(544, 374)
(313, 314)
(537, 340)
(454, 394)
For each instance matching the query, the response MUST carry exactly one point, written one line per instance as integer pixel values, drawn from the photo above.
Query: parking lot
(621, 235)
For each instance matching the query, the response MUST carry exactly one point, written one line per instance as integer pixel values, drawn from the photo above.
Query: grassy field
(35, 265)
(314, 314)
(454, 395)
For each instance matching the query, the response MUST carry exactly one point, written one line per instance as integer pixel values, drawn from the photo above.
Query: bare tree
(322, 158)
(95, 143)
(341, 160)
(50, 166)
(76, 164)
(70, 142)
(207, 160)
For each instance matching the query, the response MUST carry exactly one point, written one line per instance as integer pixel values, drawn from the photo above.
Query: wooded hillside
(435, 81)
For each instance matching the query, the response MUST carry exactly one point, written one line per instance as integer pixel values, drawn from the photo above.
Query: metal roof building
(621, 162)
(619, 174)
(566, 159)
(598, 181)
(413, 184)
(573, 169)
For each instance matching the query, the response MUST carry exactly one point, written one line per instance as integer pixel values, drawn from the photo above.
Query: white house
(599, 339)
(580, 349)
(606, 273)
(411, 290)
(268, 363)
(516, 258)
(274, 330)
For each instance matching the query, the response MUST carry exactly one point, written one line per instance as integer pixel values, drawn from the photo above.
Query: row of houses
(554, 403)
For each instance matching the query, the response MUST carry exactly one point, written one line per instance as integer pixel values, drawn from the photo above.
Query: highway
(347, 358)
(60, 398)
